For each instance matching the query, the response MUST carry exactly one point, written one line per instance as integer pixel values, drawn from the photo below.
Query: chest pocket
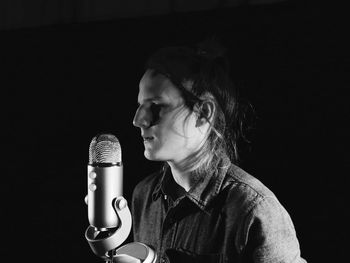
(179, 255)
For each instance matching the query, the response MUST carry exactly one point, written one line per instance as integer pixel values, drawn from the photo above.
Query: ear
(205, 112)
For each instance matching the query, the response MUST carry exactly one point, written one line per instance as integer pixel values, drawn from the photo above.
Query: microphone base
(135, 252)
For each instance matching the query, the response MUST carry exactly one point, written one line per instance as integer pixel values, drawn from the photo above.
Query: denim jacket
(229, 216)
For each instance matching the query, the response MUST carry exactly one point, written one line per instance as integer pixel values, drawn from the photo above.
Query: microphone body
(105, 184)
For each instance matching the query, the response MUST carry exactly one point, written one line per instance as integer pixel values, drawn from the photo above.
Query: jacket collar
(204, 191)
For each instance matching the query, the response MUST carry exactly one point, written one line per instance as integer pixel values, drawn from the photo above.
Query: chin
(149, 156)
(152, 156)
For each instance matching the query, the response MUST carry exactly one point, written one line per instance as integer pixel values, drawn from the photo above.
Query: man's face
(167, 126)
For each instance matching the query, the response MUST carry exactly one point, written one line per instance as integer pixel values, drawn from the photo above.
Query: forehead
(157, 86)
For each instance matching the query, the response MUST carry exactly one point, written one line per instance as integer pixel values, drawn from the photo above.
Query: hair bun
(211, 49)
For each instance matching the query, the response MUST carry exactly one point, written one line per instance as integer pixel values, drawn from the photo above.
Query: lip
(147, 138)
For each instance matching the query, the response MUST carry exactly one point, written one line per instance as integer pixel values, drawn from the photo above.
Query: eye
(155, 110)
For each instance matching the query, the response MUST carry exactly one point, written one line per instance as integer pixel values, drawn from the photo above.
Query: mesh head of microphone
(105, 149)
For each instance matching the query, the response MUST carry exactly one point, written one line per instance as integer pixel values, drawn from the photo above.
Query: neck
(181, 177)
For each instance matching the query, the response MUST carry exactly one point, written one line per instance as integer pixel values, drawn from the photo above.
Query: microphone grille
(105, 148)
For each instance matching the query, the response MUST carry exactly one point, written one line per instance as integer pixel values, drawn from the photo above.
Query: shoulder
(238, 180)
(244, 190)
(265, 225)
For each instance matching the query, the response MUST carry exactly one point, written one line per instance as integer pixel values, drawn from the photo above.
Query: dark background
(63, 84)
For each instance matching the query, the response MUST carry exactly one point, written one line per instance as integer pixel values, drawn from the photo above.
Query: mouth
(148, 139)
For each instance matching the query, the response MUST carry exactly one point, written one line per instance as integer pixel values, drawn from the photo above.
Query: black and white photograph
(174, 131)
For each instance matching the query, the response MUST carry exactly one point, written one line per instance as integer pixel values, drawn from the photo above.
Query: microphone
(108, 213)
(105, 181)
(109, 216)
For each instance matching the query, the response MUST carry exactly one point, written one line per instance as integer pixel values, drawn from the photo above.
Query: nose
(142, 119)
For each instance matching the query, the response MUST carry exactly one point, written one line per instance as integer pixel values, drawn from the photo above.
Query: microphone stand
(105, 246)
(110, 256)
(105, 242)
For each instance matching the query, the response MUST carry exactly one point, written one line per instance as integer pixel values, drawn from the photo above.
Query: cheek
(170, 136)
(180, 132)
(176, 127)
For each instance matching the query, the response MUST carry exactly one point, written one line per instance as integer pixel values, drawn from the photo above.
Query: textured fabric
(229, 216)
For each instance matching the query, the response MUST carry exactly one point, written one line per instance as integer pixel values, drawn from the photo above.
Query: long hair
(206, 67)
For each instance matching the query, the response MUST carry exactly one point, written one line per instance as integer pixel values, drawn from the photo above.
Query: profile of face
(170, 130)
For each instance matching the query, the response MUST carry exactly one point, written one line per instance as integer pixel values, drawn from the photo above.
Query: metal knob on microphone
(108, 213)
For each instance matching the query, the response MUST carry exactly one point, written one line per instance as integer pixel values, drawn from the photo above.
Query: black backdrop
(64, 84)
